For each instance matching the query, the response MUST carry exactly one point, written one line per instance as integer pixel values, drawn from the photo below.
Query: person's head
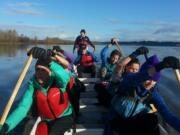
(83, 32)
(151, 62)
(133, 66)
(42, 72)
(115, 56)
(58, 49)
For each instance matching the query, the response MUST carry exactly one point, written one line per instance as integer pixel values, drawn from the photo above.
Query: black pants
(86, 69)
(146, 124)
(104, 98)
(60, 126)
(74, 95)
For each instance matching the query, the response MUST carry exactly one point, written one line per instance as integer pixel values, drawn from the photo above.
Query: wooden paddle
(176, 71)
(15, 91)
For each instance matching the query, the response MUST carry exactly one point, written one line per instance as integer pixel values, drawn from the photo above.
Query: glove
(50, 53)
(139, 51)
(3, 129)
(38, 53)
(168, 62)
(57, 48)
(114, 41)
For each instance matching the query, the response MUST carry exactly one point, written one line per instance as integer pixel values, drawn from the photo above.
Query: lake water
(13, 58)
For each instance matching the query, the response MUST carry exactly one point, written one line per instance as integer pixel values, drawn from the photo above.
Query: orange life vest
(86, 60)
(52, 105)
(83, 41)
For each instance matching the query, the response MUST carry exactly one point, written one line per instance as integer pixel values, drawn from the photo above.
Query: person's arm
(135, 79)
(61, 75)
(77, 60)
(103, 55)
(133, 55)
(90, 43)
(62, 61)
(22, 109)
(164, 111)
(120, 66)
(69, 57)
(75, 44)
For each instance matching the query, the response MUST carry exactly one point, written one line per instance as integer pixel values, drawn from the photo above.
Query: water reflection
(10, 50)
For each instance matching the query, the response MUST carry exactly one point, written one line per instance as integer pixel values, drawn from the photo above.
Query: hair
(115, 52)
(133, 61)
(58, 49)
(83, 30)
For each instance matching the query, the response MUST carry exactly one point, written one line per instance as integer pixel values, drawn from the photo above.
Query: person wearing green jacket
(47, 91)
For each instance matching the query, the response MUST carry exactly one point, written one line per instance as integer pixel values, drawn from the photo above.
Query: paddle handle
(15, 91)
(176, 71)
(119, 49)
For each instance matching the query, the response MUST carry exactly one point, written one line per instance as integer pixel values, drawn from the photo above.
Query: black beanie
(58, 49)
(42, 62)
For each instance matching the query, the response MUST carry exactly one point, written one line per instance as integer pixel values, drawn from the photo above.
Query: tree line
(12, 37)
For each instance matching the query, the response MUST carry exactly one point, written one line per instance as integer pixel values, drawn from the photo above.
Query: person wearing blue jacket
(85, 62)
(106, 89)
(130, 108)
(109, 63)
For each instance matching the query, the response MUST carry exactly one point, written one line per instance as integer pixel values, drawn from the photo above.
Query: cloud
(165, 30)
(149, 30)
(23, 8)
(113, 21)
(168, 29)
(154, 31)
(22, 4)
(27, 8)
(25, 12)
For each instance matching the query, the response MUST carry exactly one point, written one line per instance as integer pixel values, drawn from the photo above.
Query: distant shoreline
(11, 37)
(140, 43)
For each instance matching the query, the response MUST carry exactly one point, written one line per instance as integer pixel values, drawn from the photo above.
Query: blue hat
(151, 62)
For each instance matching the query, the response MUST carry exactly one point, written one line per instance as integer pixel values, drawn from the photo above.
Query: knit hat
(42, 62)
(58, 49)
(151, 61)
(83, 30)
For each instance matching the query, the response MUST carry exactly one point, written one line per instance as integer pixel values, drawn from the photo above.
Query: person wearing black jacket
(82, 39)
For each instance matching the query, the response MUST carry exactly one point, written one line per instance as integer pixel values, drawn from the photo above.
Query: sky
(128, 20)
